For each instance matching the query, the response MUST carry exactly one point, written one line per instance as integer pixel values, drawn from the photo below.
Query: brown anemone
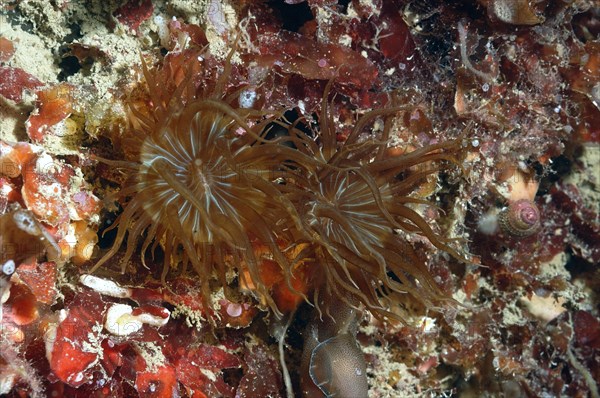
(202, 183)
(354, 203)
(208, 187)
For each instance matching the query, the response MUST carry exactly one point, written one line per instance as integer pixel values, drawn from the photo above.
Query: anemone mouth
(346, 212)
(185, 168)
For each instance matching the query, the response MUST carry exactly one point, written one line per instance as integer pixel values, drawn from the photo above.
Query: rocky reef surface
(516, 82)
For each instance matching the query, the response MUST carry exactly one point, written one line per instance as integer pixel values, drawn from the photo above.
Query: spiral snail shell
(521, 218)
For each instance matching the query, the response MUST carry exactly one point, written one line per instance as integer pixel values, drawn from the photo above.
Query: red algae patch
(14, 81)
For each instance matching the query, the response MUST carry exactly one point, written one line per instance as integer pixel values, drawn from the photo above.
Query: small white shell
(120, 322)
(104, 286)
(8, 267)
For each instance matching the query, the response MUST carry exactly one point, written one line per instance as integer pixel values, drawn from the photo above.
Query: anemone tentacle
(209, 187)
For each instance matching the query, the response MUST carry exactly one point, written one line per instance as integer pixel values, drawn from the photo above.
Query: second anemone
(355, 204)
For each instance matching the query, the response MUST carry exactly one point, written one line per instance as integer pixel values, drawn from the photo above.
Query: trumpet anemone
(202, 184)
(208, 186)
(354, 203)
